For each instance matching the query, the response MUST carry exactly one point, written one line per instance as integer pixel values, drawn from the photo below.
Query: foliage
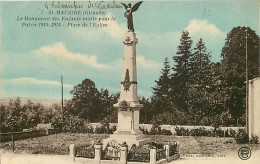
(254, 139)
(155, 131)
(233, 68)
(147, 112)
(199, 82)
(16, 116)
(91, 104)
(241, 137)
(161, 92)
(203, 92)
(180, 131)
(181, 73)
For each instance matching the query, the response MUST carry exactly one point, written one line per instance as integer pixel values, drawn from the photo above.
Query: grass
(58, 144)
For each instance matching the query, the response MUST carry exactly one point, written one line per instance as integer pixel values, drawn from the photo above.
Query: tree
(14, 112)
(233, 67)
(161, 96)
(147, 112)
(181, 73)
(199, 81)
(107, 111)
(85, 101)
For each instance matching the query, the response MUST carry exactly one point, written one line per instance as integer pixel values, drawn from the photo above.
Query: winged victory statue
(129, 16)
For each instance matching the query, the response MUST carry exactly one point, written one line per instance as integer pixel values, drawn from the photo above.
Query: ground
(58, 144)
(55, 147)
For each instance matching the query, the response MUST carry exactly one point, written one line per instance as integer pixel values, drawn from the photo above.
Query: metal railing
(136, 156)
(160, 154)
(173, 149)
(85, 151)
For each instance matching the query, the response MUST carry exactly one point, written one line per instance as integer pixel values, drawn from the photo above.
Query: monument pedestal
(128, 105)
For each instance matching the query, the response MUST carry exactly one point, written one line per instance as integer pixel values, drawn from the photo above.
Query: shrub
(88, 129)
(165, 132)
(232, 132)
(241, 137)
(182, 132)
(254, 139)
(155, 131)
(203, 132)
(144, 130)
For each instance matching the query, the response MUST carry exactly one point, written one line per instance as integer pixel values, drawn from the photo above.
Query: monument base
(130, 139)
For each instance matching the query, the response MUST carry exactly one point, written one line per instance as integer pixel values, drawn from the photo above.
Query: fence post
(177, 147)
(13, 142)
(123, 154)
(167, 151)
(72, 151)
(152, 156)
(98, 149)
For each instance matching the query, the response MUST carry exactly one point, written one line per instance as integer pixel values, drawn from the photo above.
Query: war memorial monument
(124, 144)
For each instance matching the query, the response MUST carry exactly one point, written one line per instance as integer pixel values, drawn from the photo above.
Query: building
(254, 107)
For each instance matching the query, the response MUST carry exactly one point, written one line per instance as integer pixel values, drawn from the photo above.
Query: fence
(160, 154)
(121, 155)
(85, 151)
(173, 149)
(25, 135)
(139, 157)
(135, 156)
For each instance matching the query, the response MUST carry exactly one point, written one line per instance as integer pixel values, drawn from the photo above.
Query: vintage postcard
(129, 81)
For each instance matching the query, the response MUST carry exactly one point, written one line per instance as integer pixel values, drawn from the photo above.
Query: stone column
(152, 156)
(177, 147)
(129, 107)
(98, 149)
(167, 149)
(123, 154)
(72, 151)
(129, 79)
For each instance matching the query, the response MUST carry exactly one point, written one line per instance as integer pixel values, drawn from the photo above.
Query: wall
(25, 135)
(254, 107)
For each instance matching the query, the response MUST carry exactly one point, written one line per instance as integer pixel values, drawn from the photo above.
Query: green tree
(13, 115)
(161, 96)
(181, 73)
(107, 111)
(199, 82)
(147, 112)
(85, 101)
(34, 113)
(233, 68)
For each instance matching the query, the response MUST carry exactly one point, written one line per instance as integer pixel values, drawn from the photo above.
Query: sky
(33, 59)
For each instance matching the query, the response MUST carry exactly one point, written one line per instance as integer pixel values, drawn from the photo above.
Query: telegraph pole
(247, 128)
(62, 101)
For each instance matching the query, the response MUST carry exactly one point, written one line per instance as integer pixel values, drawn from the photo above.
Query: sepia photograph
(129, 82)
